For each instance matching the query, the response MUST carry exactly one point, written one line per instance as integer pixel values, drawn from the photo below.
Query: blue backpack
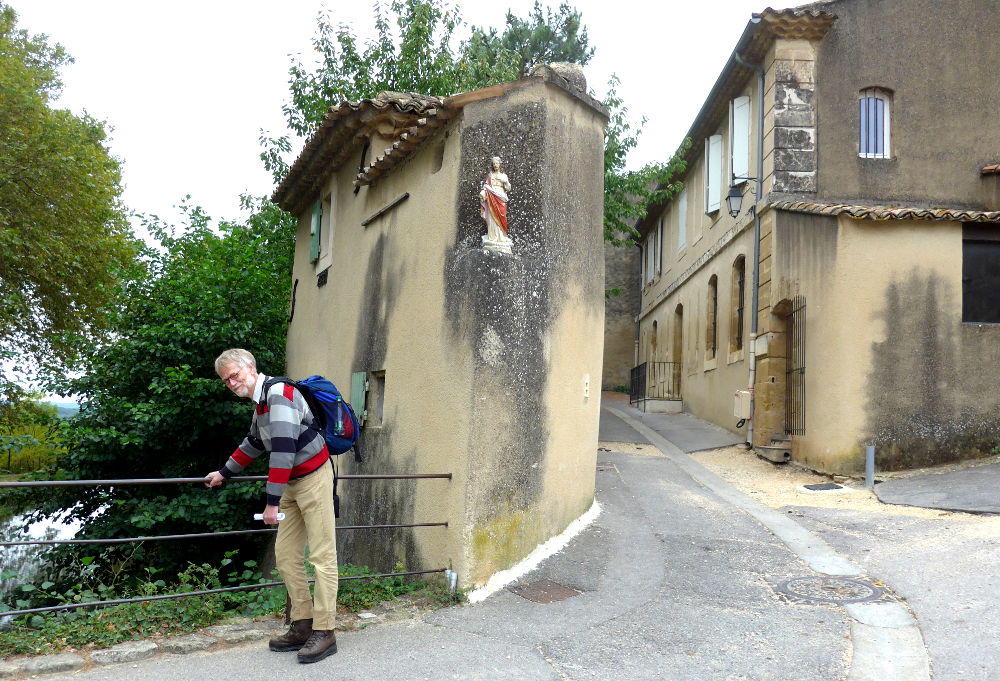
(333, 415)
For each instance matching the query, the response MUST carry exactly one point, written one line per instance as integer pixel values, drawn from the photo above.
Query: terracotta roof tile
(417, 115)
(888, 212)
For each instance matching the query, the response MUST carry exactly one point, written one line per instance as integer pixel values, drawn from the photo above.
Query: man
(300, 485)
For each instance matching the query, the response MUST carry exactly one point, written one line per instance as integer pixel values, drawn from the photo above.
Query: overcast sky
(186, 86)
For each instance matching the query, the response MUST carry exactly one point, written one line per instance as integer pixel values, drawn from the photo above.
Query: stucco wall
(483, 354)
(888, 360)
(535, 321)
(381, 304)
(930, 55)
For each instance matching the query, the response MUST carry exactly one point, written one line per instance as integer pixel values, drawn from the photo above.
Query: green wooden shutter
(314, 231)
(359, 393)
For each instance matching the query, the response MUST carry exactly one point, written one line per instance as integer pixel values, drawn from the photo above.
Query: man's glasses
(233, 376)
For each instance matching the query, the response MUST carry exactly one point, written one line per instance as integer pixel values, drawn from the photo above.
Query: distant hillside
(66, 409)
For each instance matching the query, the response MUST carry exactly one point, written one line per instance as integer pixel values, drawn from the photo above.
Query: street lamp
(734, 200)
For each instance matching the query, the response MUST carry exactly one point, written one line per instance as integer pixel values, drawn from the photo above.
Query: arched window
(737, 304)
(712, 318)
(874, 119)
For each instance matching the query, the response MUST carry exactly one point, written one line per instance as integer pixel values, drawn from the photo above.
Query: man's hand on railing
(214, 479)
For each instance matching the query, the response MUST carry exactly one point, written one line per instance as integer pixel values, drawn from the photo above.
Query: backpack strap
(319, 415)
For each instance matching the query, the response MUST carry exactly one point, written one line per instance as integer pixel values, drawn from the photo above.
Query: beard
(242, 390)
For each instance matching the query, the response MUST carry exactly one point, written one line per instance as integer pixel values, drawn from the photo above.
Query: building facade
(854, 295)
(482, 360)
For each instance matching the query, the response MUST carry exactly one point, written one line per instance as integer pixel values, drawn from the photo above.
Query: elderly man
(300, 485)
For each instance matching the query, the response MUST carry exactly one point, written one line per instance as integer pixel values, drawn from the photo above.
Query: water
(26, 560)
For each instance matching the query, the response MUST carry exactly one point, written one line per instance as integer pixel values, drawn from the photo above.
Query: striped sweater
(281, 425)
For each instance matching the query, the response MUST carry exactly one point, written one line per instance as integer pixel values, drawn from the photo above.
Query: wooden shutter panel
(713, 173)
(359, 395)
(740, 138)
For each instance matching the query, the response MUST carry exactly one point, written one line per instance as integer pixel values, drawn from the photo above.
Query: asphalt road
(947, 569)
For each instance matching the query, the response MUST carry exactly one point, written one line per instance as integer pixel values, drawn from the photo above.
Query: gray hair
(237, 357)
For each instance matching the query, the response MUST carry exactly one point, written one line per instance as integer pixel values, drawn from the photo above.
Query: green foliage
(153, 406)
(29, 448)
(543, 38)
(412, 51)
(361, 594)
(63, 231)
(50, 632)
(28, 434)
(41, 634)
(422, 60)
(627, 193)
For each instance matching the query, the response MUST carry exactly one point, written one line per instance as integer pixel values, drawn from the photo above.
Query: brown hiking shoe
(321, 644)
(294, 638)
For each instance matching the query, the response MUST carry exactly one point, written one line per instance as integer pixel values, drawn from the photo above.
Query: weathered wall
(533, 319)
(381, 312)
(888, 360)
(621, 271)
(944, 99)
(477, 349)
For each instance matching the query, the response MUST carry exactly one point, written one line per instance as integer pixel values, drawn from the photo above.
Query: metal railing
(188, 594)
(655, 381)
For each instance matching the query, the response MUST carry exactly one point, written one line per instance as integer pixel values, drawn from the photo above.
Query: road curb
(887, 643)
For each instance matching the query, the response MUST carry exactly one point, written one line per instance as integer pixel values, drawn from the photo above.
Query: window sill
(710, 364)
(736, 356)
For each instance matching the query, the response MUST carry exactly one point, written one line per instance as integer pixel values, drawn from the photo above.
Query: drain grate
(544, 591)
(604, 467)
(823, 486)
(829, 590)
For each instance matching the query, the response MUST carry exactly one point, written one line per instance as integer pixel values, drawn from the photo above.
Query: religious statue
(493, 208)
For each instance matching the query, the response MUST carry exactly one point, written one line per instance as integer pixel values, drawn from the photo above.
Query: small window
(376, 398)
(682, 219)
(712, 318)
(649, 251)
(659, 245)
(874, 116)
(739, 139)
(713, 173)
(315, 231)
(980, 274)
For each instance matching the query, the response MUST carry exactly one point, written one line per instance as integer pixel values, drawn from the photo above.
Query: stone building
(477, 358)
(857, 288)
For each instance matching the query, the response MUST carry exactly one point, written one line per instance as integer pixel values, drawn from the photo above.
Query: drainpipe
(638, 311)
(755, 285)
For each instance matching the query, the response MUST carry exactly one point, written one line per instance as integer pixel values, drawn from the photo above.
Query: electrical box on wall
(741, 404)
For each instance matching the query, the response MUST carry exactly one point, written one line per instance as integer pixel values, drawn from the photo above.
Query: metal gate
(795, 369)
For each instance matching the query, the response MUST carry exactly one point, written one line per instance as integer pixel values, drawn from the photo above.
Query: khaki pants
(308, 507)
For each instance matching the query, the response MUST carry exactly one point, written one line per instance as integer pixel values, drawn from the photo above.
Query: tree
(627, 193)
(152, 405)
(543, 38)
(63, 231)
(425, 62)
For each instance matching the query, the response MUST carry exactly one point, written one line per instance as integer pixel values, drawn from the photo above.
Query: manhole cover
(607, 468)
(544, 591)
(830, 590)
(823, 486)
